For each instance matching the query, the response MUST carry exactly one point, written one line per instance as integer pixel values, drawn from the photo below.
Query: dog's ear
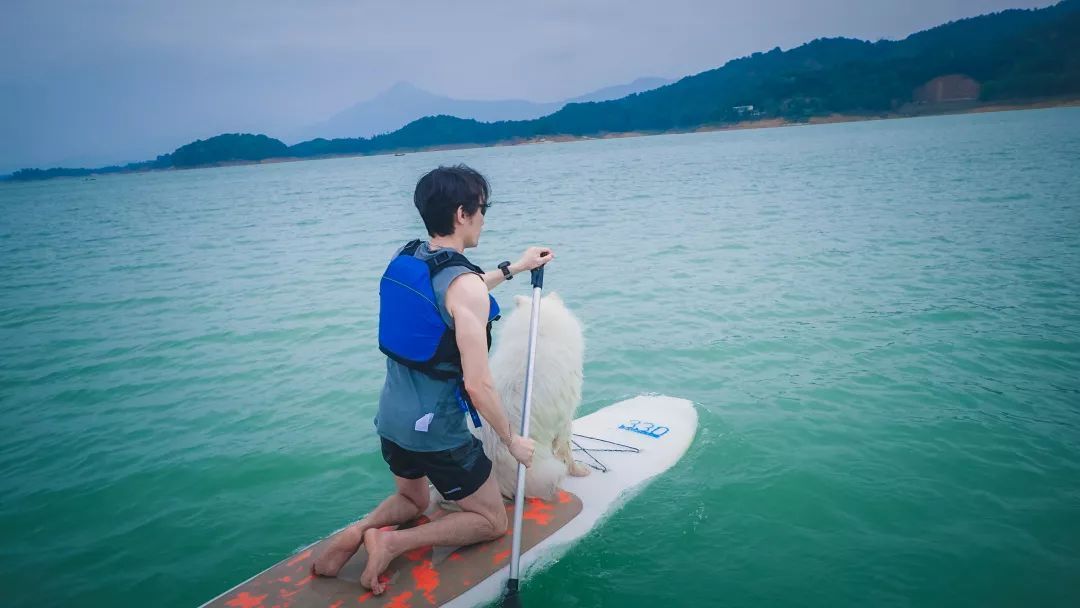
(520, 301)
(553, 296)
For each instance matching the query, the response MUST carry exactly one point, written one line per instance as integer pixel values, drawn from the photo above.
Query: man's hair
(439, 193)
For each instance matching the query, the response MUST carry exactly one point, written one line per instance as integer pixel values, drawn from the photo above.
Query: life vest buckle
(442, 257)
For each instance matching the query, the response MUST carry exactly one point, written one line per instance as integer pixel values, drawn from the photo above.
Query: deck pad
(424, 577)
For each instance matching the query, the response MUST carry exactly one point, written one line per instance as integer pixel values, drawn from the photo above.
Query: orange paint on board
(538, 511)
(501, 556)
(299, 558)
(246, 600)
(400, 601)
(418, 554)
(304, 581)
(427, 580)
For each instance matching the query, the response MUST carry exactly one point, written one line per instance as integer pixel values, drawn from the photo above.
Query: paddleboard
(626, 444)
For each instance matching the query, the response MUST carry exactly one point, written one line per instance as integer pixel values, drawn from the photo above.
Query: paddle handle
(526, 409)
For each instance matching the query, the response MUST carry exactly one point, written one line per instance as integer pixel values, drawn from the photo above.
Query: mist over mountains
(403, 103)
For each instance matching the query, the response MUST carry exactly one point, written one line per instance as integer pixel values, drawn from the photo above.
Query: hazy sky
(89, 83)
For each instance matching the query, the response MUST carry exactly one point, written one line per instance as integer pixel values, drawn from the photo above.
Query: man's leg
(483, 518)
(410, 500)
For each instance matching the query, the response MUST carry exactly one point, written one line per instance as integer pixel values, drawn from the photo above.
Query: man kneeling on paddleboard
(435, 321)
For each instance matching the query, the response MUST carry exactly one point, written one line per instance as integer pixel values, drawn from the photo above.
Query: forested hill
(1014, 56)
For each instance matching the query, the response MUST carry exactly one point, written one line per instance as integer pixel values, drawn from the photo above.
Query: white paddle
(511, 599)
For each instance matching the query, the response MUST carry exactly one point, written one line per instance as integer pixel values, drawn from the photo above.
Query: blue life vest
(411, 329)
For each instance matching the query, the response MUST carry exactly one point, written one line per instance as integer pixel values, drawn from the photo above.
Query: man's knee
(421, 501)
(419, 497)
(499, 523)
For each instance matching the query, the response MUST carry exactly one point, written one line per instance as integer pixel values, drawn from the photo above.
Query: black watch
(505, 267)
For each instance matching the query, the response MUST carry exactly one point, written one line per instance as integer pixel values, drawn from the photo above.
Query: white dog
(556, 394)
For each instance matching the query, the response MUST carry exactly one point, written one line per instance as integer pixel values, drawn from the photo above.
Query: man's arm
(534, 257)
(467, 302)
(493, 278)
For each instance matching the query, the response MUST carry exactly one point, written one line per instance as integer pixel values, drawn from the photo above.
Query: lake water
(879, 323)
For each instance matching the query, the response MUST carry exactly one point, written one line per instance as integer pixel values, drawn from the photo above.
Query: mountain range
(1012, 57)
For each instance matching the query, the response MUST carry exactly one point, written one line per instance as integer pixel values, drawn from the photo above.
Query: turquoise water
(879, 322)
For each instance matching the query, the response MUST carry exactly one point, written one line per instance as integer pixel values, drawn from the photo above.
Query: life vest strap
(443, 258)
(466, 404)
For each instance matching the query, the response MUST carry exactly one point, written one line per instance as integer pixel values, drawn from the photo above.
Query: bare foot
(340, 550)
(577, 469)
(380, 554)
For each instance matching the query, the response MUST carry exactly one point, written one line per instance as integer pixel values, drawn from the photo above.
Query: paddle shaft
(519, 494)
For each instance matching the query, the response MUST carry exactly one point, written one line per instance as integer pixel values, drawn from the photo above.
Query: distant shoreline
(913, 111)
(909, 111)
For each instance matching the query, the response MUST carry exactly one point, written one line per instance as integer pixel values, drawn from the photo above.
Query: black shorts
(455, 473)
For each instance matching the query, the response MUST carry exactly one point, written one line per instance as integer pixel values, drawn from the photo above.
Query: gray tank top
(416, 411)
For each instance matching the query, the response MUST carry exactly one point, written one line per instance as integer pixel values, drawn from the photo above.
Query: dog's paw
(577, 469)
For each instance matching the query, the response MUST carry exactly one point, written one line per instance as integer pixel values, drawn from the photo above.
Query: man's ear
(459, 214)
(521, 301)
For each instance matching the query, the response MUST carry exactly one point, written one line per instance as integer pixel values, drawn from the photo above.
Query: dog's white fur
(556, 394)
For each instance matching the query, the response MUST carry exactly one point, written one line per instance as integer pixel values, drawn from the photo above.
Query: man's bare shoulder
(466, 290)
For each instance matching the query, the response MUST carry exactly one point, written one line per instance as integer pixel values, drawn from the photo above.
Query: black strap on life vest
(444, 258)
